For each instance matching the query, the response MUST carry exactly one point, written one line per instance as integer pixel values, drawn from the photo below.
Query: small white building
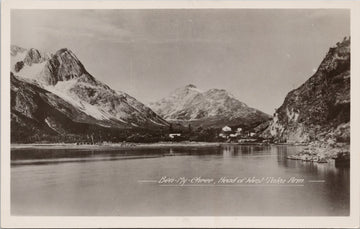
(174, 135)
(226, 129)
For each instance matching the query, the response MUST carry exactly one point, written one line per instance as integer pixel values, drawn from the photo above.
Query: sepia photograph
(179, 112)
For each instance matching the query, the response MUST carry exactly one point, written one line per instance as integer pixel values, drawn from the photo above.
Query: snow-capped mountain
(63, 76)
(215, 107)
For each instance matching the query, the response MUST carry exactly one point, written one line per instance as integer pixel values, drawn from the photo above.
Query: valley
(55, 100)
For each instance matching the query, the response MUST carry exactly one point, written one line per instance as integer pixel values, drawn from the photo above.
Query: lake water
(114, 182)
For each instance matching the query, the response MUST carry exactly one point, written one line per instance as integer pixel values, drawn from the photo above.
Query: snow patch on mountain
(160, 124)
(61, 89)
(31, 72)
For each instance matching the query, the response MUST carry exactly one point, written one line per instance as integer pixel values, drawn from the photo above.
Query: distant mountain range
(53, 95)
(319, 110)
(211, 108)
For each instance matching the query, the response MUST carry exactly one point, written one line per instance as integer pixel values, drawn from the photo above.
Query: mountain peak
(33, 56)
(63, 51)
(63, 66)
(67, 56)
(190, 86)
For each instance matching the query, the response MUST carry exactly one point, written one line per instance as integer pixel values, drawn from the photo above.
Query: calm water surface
(111, 182)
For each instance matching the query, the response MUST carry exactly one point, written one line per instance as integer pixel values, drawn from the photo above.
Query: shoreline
(114, 145)
(130, 145)
(126, 145)
(313, 152)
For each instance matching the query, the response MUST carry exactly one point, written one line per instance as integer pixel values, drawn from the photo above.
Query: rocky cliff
(318, 110)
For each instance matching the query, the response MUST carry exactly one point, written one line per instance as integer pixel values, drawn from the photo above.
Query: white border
(9, 221)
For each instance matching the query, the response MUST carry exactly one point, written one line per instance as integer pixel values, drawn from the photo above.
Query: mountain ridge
(64, 77)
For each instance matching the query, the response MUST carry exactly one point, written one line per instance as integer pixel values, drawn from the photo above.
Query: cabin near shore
(174, 135)
(237, 135)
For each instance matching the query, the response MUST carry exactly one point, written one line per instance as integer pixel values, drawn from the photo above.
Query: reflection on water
(105, 182)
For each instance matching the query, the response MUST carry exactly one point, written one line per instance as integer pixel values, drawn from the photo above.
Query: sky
(258, 55)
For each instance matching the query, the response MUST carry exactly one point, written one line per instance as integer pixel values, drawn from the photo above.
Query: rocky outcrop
(322, 152)
(319, 110)
(63, 66)
(18, 66)
(212, 108)
(33, 56)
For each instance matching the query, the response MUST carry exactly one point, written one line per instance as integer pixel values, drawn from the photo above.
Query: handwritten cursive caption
(182, 181)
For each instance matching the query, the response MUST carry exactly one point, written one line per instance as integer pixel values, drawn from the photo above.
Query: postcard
(179, 114)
